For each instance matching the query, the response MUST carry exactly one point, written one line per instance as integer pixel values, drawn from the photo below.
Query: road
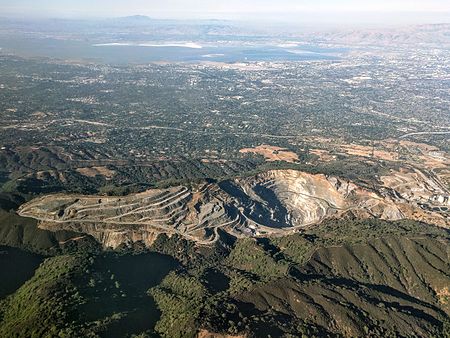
(425, 133)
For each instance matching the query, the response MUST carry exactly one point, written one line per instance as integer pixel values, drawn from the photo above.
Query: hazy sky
(338, 10)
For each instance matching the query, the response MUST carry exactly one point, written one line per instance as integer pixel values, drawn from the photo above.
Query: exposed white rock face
(306, 198)
(276, 202)
(416, 186)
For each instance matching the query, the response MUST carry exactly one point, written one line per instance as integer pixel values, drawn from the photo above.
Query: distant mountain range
(422, 34)
(141, 26)
(133, 20)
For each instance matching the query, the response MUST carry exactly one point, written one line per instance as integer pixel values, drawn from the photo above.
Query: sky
(277, 10)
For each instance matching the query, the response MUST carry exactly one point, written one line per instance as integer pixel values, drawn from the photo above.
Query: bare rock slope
(273, 203)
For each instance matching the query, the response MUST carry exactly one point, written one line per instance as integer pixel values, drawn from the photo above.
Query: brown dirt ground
(272, 153)
(93, 171)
